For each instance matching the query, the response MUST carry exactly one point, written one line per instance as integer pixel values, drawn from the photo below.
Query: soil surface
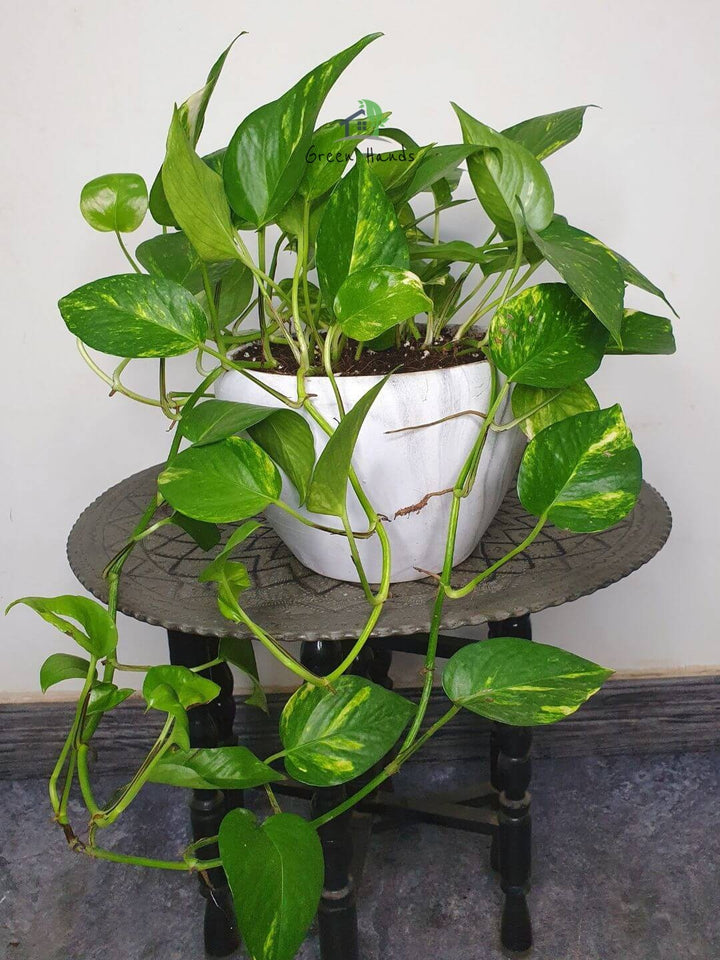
(408, 358)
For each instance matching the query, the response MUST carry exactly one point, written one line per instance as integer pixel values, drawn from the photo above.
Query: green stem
(212, 308)
(60, 808)
(99, 854)
(127, 253)
(363, 535)
(84, 779)
(267, 351)
(469, 587)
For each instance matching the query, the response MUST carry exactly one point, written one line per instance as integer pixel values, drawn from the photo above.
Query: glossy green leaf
(359, 229)
(275, 871)
(644, 333)
(192, 115)
(172, 256)
(376, 298)
(214, 570)
(546, 134)
(546, 337)
(62, 666)
(439, 163)
(265, 160)
(583, 473)
(588, 268)
(332, 737)
(205, 535)
(325, 160)
(197, 198)
(214, 420)
(632, 276)
(511, 184)
(328, 487)
(213, 768)
(221, 482)
(116, 201)
(556, 405)
(456, 251)
(135, 315)
(106, 696)
(232, 293)
(163, 697)
(287, 439)
(240, 652)
(520, 682)
(98, 634)
(191, 688)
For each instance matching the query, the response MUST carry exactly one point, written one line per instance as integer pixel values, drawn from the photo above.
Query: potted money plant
(368, 386)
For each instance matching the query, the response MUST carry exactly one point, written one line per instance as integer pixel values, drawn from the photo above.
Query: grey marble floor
(626, 867)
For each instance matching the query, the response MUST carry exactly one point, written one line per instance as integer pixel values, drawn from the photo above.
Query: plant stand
(160, 586)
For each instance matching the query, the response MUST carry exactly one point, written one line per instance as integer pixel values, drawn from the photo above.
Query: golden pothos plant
(365, 276)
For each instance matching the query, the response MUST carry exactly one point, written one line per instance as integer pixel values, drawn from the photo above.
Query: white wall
(88, 89)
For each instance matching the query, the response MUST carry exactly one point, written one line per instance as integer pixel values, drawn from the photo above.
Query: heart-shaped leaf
(359, 229)
(105, 696)
(221, 482)
(134, 315)
(553, 405)
(588, 268)
(192, 115)
(240, 652)
(328, 487)
(286, 437)
(332, 737)
(544, 135)
(190, 688)
(197, 198)
(510, 183)
(546, 337)
(163, 697)
(374, 299)
(99, 633)
(265, 160)
(583, 473)
(275, 871)
(115, 201)
(519, 682)
(62, 666)
(215, 420)
(215, 768)
(644, 333)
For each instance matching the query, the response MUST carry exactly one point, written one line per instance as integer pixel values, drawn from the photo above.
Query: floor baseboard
(628, 716)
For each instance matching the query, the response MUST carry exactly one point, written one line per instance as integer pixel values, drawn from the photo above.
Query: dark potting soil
(409, 357)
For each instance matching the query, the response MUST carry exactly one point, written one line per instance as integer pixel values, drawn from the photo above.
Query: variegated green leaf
(221, 482)
(135, 315)
(546, 134)
(325, 160)
(510, 183)
(359, 229)
(546, 337)
(519, 682)
(275, 871)
(197, 198)
(540, 406)
(632, 276)
(214, 420)
(213, 768)
(172, 256)
(588, 268)
(98, 635)
(116, 201)
(644, 333)
(192, 116)
(287, 439)
(265, 160)
(376, 298)
(583, 473)
(332, 737)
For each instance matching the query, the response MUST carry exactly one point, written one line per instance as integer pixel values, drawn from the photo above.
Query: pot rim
(367, 377)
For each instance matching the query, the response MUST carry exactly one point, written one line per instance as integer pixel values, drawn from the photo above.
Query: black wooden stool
(160, 586)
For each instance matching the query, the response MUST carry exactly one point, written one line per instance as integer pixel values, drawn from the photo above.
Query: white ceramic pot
(398, 470)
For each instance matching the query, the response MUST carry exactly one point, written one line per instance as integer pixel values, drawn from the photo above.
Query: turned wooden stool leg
(337, 914)
(210, 726)
(510, 772)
